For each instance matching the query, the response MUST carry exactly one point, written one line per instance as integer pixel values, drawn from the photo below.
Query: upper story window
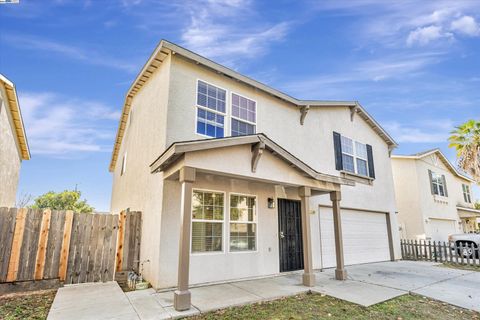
(354, 156)
(244, 115)
(211, 110)
(438, 184)
(466, 193)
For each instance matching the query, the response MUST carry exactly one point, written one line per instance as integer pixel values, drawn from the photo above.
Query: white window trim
(434, 174)
(203, 220)
(240, 119)
(355, 157)
(466, 193)
(251, 222)
(226, 126)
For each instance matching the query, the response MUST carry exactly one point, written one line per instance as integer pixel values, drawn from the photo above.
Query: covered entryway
(440, 229)
(244, 160)
(290, 235)
(365, 237)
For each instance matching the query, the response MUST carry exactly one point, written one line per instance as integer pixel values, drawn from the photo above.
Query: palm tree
(466, 140)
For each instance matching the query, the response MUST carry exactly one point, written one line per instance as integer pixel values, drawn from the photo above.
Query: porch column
(340, 272)
(182, 296)
(308, 275)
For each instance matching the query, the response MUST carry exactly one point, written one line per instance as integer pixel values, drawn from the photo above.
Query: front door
(290, 235)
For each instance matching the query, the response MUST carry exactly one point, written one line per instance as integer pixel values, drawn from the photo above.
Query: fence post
(435, 250)
(16, 244)
(67, 232)
(121, 235)
(461, 252)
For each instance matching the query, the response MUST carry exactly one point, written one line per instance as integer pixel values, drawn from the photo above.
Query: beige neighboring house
(13, 142)
(238, 180)
(434, 199)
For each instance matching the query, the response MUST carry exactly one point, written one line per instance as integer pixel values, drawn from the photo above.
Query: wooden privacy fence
(458, 252)
(66, 246)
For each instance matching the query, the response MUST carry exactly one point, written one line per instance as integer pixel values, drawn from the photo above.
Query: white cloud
(60, 126)
(425, 35)
(396, 23)
(426, 133)
(229, 30)
(466, 25)
(88, 56)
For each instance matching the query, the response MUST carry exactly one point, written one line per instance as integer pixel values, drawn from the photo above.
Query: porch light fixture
(271, 203)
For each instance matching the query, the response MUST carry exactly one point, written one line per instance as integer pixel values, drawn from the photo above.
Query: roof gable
(178, 149)
(441, 156)
(165, 48)
(14, 107)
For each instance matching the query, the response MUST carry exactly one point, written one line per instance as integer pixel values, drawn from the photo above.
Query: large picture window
(243, 223)
(211, 110)
(244, 115)
(207, 221)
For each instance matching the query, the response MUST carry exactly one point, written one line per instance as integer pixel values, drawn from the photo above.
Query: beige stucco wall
(10, 159)
(280, 121)
(154, 128)
(143, 141)
(415, 202)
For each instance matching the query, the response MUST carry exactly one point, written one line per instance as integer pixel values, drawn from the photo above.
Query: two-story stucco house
(434, 199)
(238, 180)
(13, 142)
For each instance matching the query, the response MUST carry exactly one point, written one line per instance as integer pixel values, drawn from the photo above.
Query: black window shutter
(337, 145)
(431, 181)
(371, 166)
(445, 185)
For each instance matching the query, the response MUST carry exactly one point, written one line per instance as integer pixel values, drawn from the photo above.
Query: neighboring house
(13, 142)
(238, 180)
(434, 199)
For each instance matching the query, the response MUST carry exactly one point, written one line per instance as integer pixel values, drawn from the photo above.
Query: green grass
(31, 305)
(316, 306)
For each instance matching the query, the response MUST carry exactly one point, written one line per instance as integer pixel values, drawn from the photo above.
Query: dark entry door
(290, 235)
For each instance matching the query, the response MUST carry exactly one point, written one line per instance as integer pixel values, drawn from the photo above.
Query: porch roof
(258, 142)
(464, 212)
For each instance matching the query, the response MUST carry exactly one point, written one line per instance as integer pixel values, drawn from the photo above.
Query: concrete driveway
(457, 287)
(367, 284)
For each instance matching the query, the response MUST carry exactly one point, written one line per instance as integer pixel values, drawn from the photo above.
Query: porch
(259, 166)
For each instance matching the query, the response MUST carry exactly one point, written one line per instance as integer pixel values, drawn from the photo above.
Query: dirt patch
(29, 305)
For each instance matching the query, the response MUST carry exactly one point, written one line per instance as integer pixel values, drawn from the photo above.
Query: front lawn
(30, 305)
(316, 306)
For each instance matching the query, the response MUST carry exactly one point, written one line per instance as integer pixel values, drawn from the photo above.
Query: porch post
(340, 272)
(308, 275)
(182, 296)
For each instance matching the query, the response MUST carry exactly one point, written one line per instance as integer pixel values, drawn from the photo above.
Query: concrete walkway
(367, 285)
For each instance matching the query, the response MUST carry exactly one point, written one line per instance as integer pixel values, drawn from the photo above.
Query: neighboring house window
(207, 221)
(244, 115)
(438, 184)
(353, 156)
(466, 193)
(211, 110)
(124, 164)
(243, 223)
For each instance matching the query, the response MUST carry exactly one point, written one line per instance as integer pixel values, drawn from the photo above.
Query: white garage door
(365, 237)
(441, 229)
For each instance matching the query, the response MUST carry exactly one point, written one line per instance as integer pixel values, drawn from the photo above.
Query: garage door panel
(365, 237)
(440, 229)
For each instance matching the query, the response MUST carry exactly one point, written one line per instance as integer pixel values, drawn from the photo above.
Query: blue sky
(413, 65)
